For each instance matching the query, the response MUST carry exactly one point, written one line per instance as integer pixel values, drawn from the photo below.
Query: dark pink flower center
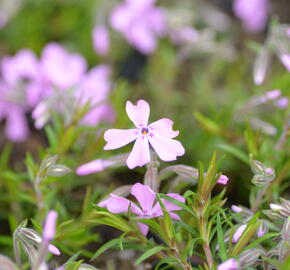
(144, 130)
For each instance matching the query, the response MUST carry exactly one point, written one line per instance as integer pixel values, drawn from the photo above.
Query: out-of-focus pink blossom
(223, 179)
(236, 209)
(101, 40)
(148, 209)
(94, 166)
(282, 102)
(273, 94)
(158, 134)
(140, 22)
(238, 233)
(49, 226)
(253, 13)
(61, 68)
(18, 73)
(184, 35)
(95, 88)
(230, 264)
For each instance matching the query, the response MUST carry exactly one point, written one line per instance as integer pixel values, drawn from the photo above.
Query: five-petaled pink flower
(148, 209)
(158, 134)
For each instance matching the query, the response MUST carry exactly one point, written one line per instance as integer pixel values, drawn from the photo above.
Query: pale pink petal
(16, 129)
(230, 264)
(171, 206)
(238, 233)
(140, 154)
(282, 103)
(167, 149)
(143, 228)
(94, 166)
(116, 204)
(174, 216)
(139, 114)
(54, 250)
(164, 128)
(101, 39)
(49, 226)
(144, 195)
(117, 138)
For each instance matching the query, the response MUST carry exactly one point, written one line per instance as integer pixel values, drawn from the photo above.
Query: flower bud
(230, 264)
(282, 209)
(58, 170)
(250, 257)
(238, 233)
(263, 228)
(236, 209)
(262, 174)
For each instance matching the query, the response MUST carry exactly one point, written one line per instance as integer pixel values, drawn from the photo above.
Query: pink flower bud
(282, 103)
(49, 226)
(230, 264)
(238, 233)
(236, 209)
(94, 166)
(285, 59)
(223, 180)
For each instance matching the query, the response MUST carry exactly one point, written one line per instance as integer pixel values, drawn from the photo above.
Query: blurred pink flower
(147, 210)
(140, 22)
(17, 93)
(49, 231)
(230, 264)
(95, 88)
(60, 68)
(238, 233)
(158, 134)
(101, 40)
(282, 102)
(253, 13)
(223, 179)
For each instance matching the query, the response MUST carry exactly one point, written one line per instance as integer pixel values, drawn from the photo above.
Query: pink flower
(253, 13)
(140, 22)
(282, 103)
(148, 209)
(158, 134)
(95, 88)
(101, 39)
(61, 68)
(230, 264)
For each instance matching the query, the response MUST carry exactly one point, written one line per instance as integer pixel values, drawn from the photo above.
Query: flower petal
(143, 228)
(138, 114)
(140, 154)
(171, 206)
(167, 149)
(164, 128)
(144, 195)
(117, 138)
(116, 204)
